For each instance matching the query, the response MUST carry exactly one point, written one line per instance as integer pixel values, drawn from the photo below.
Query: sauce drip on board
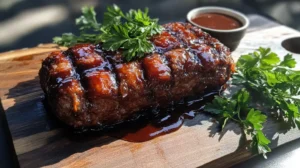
(149, 124)
(217, 21)
(171, 120)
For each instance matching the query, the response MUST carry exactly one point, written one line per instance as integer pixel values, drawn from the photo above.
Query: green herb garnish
(274, 86)
(89, 30)
(132, 35)
(130, 32)
(238, 110)
(273, 81)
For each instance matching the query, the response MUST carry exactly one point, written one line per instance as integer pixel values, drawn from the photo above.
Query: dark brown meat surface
(87, 86)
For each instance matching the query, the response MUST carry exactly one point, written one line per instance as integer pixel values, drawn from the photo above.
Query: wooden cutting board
(39, 141)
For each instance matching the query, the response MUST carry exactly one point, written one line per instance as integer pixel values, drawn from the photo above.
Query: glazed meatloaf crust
(87, 86)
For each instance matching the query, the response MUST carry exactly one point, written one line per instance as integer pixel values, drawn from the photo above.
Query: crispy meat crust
(87, 86)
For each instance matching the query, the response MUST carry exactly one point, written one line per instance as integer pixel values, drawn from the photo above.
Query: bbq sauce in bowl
(217, 21)
(226, 25)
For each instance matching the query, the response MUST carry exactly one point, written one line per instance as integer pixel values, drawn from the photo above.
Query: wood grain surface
(40, 141)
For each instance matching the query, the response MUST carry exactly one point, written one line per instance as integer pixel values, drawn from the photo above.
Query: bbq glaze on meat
(87, 86)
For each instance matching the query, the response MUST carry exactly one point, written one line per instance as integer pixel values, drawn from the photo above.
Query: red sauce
(148, 127)
(141, 132)
(166, 125)
(217, 21)
(151, 131)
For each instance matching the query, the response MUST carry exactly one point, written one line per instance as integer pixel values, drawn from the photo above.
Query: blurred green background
(27, 23)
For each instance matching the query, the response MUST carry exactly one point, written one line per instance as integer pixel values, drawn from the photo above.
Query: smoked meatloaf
(87, 86)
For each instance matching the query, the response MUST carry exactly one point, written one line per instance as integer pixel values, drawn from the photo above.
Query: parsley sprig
(267, 81)
(130, 32)
(237, 109)
(89, 30)
(273, 81)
